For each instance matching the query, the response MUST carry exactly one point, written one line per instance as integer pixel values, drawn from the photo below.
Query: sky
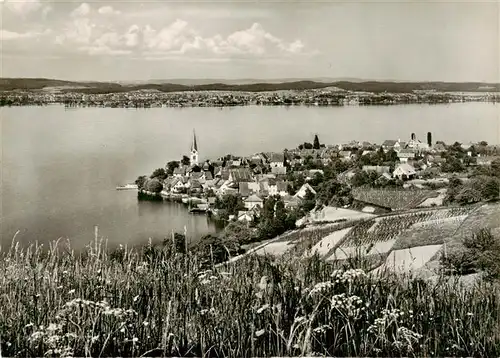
(130, 40)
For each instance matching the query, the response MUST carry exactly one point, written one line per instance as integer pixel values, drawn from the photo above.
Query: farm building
(404, 172)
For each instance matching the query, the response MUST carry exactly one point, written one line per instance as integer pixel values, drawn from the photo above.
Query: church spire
(194, 146)
(194, 150)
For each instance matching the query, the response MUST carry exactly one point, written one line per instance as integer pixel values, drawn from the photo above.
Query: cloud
(79, 31)
(108, 10)
(82, 10)
(177, 40)
(6, 35)
(22, 7)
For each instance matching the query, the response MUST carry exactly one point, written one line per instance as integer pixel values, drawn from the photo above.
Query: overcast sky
(131, 40)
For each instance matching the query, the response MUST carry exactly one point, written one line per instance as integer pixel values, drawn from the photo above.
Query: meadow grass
(154, 302)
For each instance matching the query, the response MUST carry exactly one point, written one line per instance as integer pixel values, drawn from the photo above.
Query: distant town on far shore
(189, 93)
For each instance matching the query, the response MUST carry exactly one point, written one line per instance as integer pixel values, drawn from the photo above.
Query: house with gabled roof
(253, 201)
(405, 154)
(177, 185)
(180, 171)
(346, 155)
(277, 160)
(240, 175)
(278, 170)
(301, 193)
(278, 188)
(404, 172)
(244, 189)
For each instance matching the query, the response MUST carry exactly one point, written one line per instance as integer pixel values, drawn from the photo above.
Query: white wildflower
(260, 332)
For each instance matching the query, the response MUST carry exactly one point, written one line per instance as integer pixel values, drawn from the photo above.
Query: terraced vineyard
(384, 234)
(394, 199)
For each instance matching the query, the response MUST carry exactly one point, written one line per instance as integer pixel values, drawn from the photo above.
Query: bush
(481, 252)
(154, 186)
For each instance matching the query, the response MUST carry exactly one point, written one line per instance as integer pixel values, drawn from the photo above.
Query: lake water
(60, 166)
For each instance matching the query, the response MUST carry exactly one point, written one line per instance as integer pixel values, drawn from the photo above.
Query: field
(157, 303)
(331, 214)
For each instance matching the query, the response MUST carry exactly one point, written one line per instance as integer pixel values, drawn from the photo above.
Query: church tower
(194, 151)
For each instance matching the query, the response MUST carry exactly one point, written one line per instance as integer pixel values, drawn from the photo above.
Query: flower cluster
(52, 336)
(349, 305)
(321, 287)
(349, 276)
(388, 317)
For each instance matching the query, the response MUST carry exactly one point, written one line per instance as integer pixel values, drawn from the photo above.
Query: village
(372, 178)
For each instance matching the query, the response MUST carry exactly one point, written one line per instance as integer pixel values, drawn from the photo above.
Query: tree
(468, 195)
(230, 203)
(308, 145)
(495, 167)
(154, 186)
(171, 166)
(452, 165)
(391, 156)
(238, 232)
(454, 182)
(334, 192)
(140, 181)
(316, 144)
(429, 139)
(185, 160)
(159, 173)
(308, 203)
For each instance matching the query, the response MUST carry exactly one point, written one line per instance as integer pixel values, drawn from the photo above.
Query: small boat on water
(127, 187)
(200, 208)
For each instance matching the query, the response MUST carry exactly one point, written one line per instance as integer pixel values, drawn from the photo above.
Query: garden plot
(330, 213)
(275, 248)
(433, 232)
(329, 243)
(380, 248)
(484, 217)
(409, 260)
(436, 201)
(438, 222)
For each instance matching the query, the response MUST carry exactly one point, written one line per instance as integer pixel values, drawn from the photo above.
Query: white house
(406, 154)
(404, 172)
(252, 201)
(245, 216)
(177, 185)
(278, 188)
(277, 160)
(301, 193)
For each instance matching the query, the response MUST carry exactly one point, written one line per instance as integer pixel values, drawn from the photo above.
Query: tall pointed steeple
(194, 150)
(194, 146)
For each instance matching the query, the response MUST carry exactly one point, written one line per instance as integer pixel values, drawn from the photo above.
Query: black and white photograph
(215, 178)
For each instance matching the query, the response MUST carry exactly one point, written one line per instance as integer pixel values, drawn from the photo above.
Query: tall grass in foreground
(158, 303)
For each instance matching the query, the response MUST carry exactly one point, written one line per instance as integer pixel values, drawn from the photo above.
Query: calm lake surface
(60, 166)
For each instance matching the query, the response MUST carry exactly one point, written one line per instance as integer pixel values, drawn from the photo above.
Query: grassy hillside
(7, 84)
(157, 303)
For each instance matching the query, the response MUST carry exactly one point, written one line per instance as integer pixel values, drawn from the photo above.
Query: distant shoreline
(151, 98)
(95, 87)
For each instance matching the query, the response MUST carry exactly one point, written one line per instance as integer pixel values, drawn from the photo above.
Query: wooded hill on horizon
(244, 85)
